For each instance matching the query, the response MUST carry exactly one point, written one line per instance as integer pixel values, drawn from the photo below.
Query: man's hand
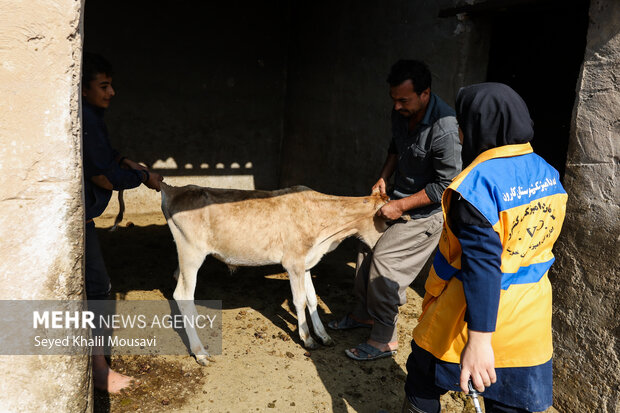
(379, 186)
(391, 211)
(478, 361)
(154, 180)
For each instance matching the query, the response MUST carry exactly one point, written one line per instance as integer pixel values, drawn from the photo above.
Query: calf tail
(121, 210)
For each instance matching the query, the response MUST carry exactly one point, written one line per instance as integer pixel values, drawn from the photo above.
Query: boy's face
(99, 91)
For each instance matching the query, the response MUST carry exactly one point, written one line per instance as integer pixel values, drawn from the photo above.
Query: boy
(104, 170)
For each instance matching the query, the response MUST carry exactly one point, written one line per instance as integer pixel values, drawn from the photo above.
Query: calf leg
(296, 278)
(319, 330)
(190, 260)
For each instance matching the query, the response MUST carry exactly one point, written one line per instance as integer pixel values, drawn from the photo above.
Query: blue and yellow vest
(521, 196)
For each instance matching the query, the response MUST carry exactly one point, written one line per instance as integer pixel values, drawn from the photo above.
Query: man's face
(99, 91)
(406, 101)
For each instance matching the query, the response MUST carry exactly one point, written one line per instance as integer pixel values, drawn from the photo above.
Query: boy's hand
(154, 180)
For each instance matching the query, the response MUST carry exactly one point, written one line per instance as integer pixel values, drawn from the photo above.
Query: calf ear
(375, 191)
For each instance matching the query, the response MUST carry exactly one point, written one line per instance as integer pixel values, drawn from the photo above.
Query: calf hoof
(328, 341)
(310, 344)
(202, 360)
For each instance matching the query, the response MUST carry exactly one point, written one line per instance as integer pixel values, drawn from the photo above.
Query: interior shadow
(144, 259)
(540, 63)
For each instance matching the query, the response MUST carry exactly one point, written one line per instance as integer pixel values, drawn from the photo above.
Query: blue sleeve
(123, 178)
(100, 158)
(480, 265)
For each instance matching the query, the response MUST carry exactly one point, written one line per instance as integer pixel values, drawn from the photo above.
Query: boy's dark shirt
(101, 159)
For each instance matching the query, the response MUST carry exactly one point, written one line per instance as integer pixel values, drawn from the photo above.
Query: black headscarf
(491, 115)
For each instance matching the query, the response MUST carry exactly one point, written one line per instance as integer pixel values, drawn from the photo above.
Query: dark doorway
(538, 49)
(199, 84)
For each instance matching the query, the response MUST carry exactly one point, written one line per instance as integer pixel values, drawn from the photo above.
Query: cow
(293, 227)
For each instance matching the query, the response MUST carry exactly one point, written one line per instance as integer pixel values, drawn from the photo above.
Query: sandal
(366, 352)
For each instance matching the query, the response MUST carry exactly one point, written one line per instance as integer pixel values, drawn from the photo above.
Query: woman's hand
(478, 361)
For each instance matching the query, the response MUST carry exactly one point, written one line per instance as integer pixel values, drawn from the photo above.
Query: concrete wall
(41, 224)
(337, 126)
(585, 276)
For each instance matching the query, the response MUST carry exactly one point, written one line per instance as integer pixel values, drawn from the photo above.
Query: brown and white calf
(294, 227)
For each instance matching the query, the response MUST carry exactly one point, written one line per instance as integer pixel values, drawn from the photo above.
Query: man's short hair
(413, 70)
(92, 65)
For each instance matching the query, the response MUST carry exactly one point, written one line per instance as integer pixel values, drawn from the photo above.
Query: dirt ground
(263, 366)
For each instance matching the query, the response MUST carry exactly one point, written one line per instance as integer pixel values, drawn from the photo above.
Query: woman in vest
(486, 313)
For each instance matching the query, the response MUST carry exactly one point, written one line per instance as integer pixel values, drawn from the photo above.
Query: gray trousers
(384, 273)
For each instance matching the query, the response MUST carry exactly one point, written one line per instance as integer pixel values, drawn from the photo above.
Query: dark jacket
(101, 159)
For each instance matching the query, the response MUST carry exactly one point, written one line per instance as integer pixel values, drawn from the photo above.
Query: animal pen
(269, 95)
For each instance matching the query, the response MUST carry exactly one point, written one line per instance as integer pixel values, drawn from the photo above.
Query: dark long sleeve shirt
(480, 263)
(101, 159)
(429, 156)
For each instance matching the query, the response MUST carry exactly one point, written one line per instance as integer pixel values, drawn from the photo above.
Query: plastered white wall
(41, 219)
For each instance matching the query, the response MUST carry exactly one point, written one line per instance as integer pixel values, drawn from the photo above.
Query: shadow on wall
(542, 64)
(199, 85)
(170, 167)
(218, 175)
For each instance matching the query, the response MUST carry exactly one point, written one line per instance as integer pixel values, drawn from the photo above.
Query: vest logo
(520, 192)
(532, 230)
